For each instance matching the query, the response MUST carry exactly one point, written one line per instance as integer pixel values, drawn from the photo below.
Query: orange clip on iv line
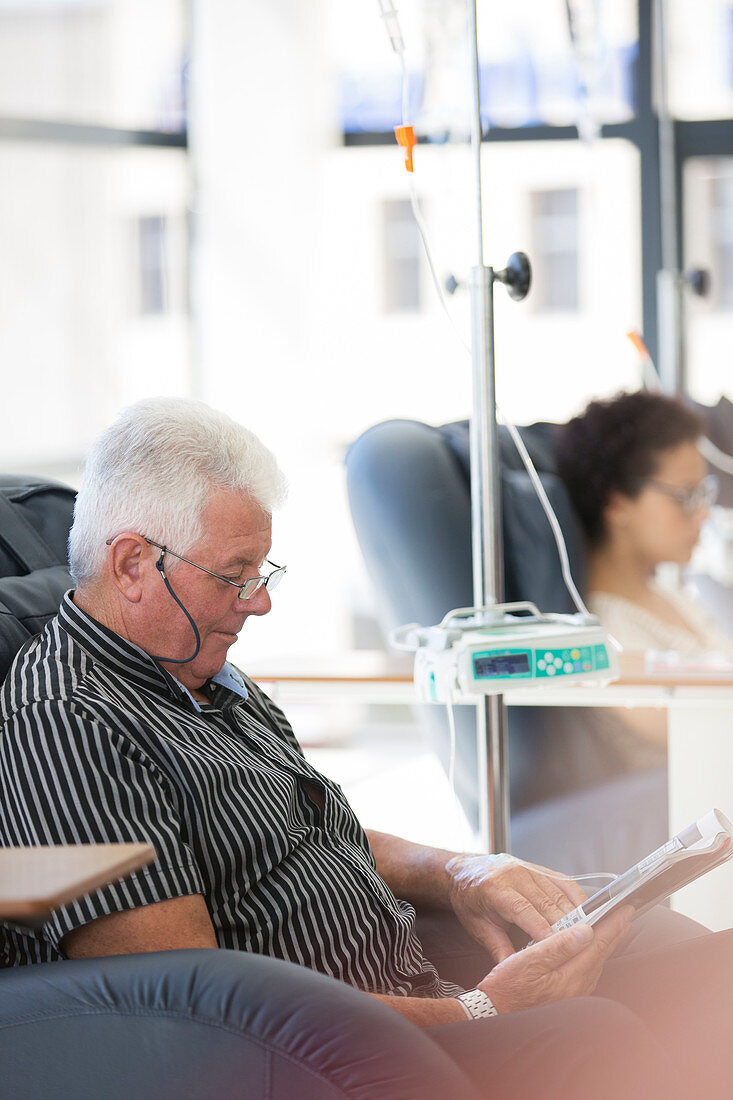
(639, 344)
(406, 138)
(650, 376)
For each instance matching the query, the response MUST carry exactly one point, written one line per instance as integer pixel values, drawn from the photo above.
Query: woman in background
(641, 490)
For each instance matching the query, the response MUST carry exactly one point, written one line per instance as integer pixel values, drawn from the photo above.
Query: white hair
(153, 472)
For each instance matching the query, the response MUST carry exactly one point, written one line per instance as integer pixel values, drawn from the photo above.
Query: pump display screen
(501, 664)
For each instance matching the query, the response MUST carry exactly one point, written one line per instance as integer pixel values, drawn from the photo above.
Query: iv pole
(670, 282)
(486, 487)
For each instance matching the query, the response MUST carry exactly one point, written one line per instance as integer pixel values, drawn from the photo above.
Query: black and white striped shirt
(99, 744)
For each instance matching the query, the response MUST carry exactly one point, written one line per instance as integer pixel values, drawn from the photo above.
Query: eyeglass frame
(271, 580)
(702, 495)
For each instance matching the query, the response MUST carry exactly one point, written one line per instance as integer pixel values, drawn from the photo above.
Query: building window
(722, 239)
(401, 251)
(152, 269)
(554, 221)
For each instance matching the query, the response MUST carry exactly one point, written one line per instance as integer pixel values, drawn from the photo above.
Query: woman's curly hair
(616, 443)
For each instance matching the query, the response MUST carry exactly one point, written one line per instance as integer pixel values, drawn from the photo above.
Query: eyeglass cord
(177, 660)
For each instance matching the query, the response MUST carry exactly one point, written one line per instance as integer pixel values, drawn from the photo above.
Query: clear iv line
(452, 750)
(715, 456)
(549, 512)
(720, 459)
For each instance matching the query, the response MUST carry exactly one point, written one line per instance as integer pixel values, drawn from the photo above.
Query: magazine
(693, 852)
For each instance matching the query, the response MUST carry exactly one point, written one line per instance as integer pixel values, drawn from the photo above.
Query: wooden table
(375, 676)
(35, 880)
(361, 675)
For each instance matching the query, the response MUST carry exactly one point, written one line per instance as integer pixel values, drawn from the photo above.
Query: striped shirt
(100, 744)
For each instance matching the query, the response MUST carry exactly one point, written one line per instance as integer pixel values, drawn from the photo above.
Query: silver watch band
(476, 1004)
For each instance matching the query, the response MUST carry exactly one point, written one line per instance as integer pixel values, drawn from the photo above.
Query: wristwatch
(476, 1004)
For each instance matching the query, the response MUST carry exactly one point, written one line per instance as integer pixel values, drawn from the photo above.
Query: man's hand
(567, 964)
(489, 894)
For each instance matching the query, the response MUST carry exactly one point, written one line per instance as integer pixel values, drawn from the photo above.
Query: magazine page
(703, 845)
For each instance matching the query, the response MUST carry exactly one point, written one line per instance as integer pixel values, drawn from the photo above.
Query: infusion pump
(493, 650)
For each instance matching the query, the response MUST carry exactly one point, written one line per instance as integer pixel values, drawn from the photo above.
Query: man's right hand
(567, 964)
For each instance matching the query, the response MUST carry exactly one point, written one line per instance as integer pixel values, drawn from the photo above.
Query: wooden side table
(35, 880)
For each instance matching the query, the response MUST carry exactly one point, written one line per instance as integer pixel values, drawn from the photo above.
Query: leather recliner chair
(573, 805)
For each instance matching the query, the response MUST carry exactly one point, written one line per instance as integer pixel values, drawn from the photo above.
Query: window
(708, 240)
(113, 63)
(708, 195)
(401, 257)
(532, 69)
(554, 228)
(152, 269)
(94, 192)
(722, 238)
(700, 58)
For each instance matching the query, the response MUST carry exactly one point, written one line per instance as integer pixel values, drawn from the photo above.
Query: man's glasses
(248, 588)
(702, 495)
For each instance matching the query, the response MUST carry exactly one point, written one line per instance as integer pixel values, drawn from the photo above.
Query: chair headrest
(35, 518)
(537, 438)
(26, 605)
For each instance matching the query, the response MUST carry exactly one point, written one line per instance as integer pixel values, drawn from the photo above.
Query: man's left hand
(490, 894)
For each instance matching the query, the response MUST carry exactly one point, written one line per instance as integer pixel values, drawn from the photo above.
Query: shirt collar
(227, 677)
(132, 662)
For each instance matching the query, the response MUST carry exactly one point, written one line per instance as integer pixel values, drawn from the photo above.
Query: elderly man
(123, 721)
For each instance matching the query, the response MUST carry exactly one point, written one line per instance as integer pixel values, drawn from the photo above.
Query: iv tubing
(549, 512)
(392, 25)
(652, 381)
(516, 437)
